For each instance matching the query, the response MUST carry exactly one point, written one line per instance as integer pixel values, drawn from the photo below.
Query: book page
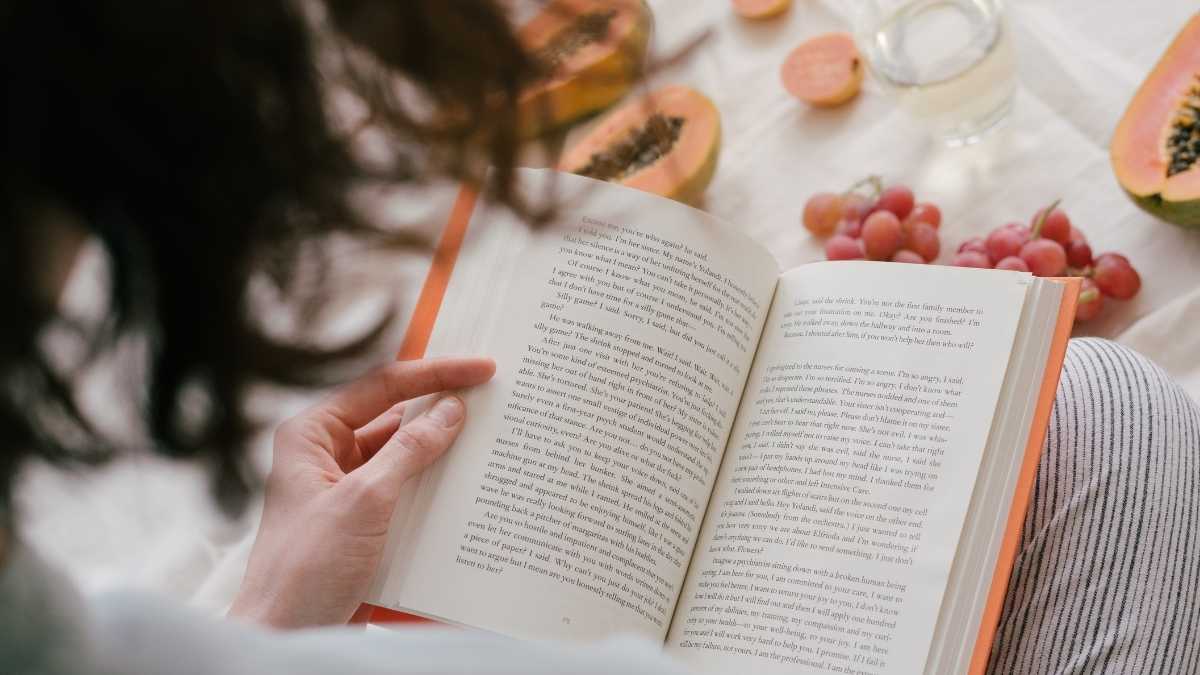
(839, 506)
(570, 505)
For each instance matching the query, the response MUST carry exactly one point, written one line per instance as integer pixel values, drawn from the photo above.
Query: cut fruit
(592, 51)
(1156, 147)
(761, 9)
(824, 71)
(666, 143)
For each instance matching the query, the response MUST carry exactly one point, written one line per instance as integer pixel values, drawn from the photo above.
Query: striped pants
(1107, 579)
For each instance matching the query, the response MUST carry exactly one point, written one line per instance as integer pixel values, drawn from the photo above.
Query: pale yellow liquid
(950, 64)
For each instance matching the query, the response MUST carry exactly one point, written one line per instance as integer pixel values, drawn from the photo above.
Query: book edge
(429, 302)
(420, 328)
(1021, 496)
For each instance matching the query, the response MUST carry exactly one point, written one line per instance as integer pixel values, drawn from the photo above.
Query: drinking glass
(949, 63)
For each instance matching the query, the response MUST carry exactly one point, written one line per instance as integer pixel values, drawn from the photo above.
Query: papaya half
(590, 51)
(1156, 147)
(665, 142)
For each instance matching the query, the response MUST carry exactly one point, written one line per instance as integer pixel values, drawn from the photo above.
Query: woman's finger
(368, 439)
(363, 400)
(413, 447)
(371, 437)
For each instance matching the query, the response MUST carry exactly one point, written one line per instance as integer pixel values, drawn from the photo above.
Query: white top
(47, 627)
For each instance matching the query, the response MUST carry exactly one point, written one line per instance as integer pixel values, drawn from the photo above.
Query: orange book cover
(429, 302)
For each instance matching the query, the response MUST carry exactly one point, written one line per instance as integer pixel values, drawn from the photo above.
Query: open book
(822, 470)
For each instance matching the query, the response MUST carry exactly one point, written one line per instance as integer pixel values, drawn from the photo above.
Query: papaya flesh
(761, 9)
(1155, 150)
(590, 51)
(665, 142)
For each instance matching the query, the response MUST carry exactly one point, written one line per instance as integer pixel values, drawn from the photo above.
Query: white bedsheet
(147, 523)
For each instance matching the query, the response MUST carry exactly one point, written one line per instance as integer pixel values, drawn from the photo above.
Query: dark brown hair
(194, 140)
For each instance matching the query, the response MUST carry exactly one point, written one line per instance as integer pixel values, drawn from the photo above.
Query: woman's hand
(334, 482)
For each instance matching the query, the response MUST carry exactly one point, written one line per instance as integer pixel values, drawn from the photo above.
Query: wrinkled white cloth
(147, 524)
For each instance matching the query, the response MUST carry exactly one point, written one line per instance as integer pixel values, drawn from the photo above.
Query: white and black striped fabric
(1107, 579)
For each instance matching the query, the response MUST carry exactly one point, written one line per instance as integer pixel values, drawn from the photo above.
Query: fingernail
(447, 411)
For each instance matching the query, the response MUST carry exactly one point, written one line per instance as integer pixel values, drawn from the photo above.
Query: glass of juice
(949, 63)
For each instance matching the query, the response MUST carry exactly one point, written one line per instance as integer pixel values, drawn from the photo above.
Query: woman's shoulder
(43, 622)
(47, 627)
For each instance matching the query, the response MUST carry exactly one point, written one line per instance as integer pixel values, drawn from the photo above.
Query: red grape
(1079, 253)
(1115, 276)
(925, 212)
(1020, 229)
(923, 240)
(1045, 257)
(972, 258)
(1014, 263)
(842, 247)
(976, 244)
(855, 207)
(898, 199)
(1091, 301)
(881, 235)
(1005, 242)
(1056, 226)
(822, 213)
(906, 256)
(850, 228)
(1077, 234)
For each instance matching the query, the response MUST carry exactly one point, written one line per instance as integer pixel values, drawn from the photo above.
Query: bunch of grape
(887, 225)
(1052, 247)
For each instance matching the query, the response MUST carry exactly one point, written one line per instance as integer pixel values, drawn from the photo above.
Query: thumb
(414, 446)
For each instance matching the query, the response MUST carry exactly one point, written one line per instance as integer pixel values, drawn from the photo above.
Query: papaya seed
(640, 148)
(584, 30)
(1183, 140)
